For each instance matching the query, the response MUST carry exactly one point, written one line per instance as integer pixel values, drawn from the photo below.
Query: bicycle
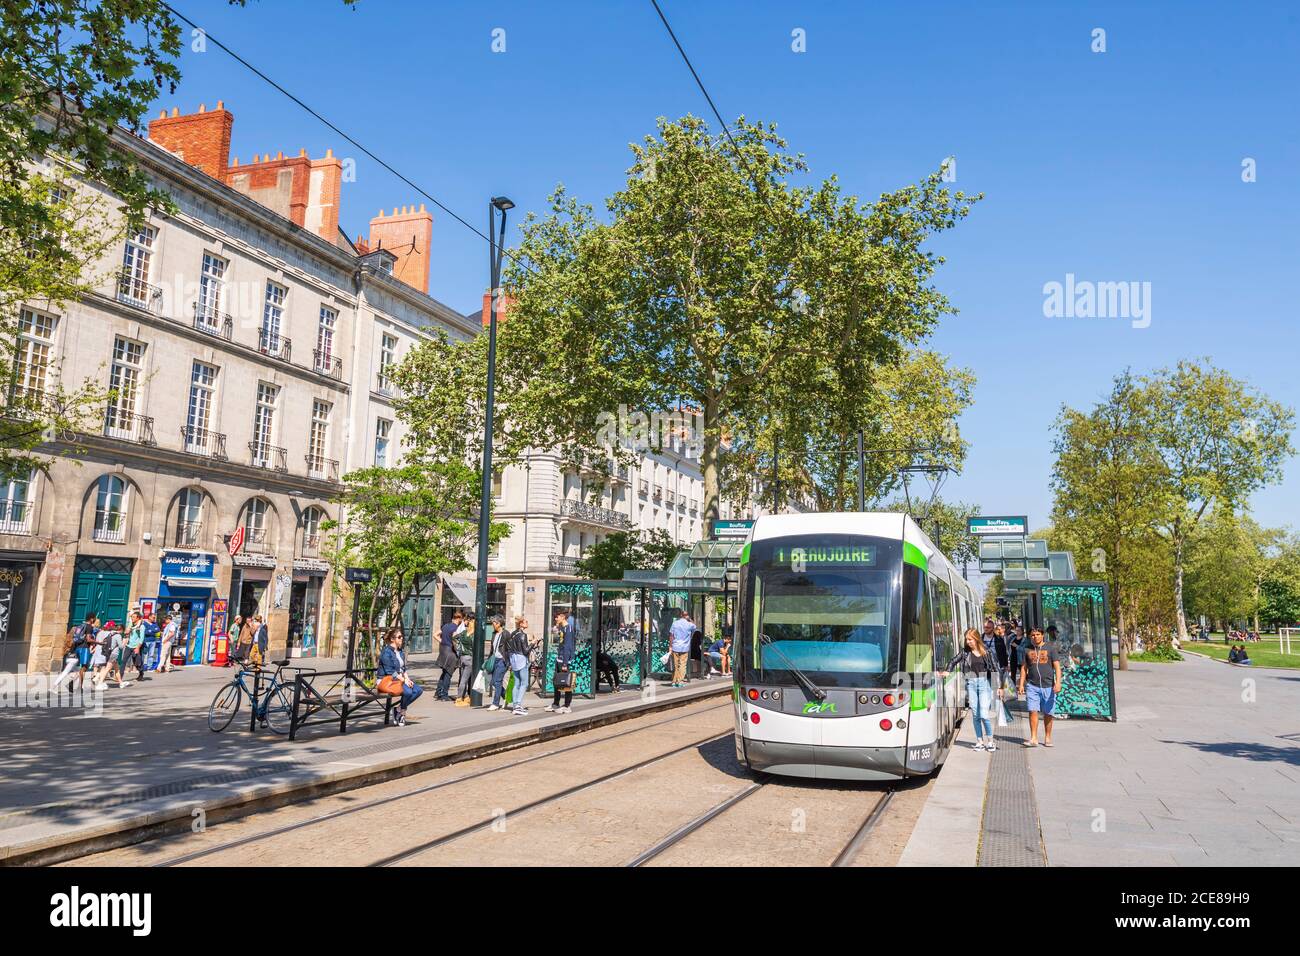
(275, 710)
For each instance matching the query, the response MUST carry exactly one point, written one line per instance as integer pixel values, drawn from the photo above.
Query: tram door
(945, 644)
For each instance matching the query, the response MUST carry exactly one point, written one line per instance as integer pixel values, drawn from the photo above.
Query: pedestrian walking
(391, 676)
(681, 633)
(170, 630)
(1001, 648)
(261, 638)
(980, 668)
(464, 650)
(135, 645)
(516, 651)
(78, 650)
(565, 637)
(1040, 682)
(103, 660)
(448, 656)
(497, 660)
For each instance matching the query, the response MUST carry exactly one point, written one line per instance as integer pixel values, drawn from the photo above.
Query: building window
(311, 533)
(318, 438)
(189, 519)
(271, 341)
(110, 509)
(32, 357)
(264, 424)
(498, 485)
(383, 429)
(387, 358)
(120, 420)
(211, 282)
(255, 526)
(16, 506)
(198, 429)
(137, 262)
(325, 340)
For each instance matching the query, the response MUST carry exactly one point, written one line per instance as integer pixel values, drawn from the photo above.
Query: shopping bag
(1003, 717)
(480, 682)
(663, 661)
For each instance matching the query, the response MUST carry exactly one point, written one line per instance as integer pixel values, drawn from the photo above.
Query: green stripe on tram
(744, 554)
(913, 555)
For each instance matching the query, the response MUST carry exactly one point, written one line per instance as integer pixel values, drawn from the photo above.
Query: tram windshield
(833, 624)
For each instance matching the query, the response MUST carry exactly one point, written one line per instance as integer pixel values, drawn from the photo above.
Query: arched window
(311, 533)
(189, 519)
(110, 509)
(256, 521)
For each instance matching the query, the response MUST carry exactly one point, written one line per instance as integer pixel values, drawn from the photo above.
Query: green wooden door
(103, 586)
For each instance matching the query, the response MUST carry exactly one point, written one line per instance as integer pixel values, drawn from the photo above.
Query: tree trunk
(1178, 588)
(1123, 640)
(709, 464)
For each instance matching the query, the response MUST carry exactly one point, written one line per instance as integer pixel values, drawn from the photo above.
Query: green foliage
(945, 522)
(628, 551)
(406, 524)
(1280, 585)
(716, 285)
(1158, 654)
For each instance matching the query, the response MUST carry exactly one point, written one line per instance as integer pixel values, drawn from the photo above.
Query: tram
(843, 625)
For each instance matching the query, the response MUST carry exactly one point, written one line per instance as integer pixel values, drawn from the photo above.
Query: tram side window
(918, 655)
(941, 599)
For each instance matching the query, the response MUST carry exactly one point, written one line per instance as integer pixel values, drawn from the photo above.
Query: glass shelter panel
(579, 601)
(1078, 614)
(664, 607)
(620, 635)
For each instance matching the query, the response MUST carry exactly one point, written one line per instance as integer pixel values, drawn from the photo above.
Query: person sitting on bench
(391, 677)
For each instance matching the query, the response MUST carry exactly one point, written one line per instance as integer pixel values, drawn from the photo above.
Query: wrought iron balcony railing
(189, 534)
(128, 426)
(311, 544)
(594, 514)
(110, 527)
(326, 469)
(274, 344)
(326, 364)
(15, 517)
(562, 564)
(209, 320)
(268, 456)
(256, 541)
(204, 442)
(134, 290)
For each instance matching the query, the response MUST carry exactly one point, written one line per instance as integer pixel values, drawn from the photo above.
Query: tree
(1280, 585)
(407, 524)
(621, 551)
(946, 523)
(1215, 441)
(1226, 557)
(1105, 503)
(715, 287)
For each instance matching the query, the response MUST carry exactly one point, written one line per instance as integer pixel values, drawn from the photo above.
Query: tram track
(323, 818)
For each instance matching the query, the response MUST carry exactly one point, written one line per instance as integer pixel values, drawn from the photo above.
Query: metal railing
(384, 386)
(274, 345)
(255, 541)
(326, 364)
(326, 469)
(594, 514)
(128, 426)
(109, 527)
(133, 290)
(209, 320)
(562, 564)
(204, 442)
(189, 534)
(268, 456)
(311, 545)
(15, 517)
(643, 487)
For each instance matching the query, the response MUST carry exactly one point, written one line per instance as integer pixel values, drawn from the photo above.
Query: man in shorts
(1039, 683)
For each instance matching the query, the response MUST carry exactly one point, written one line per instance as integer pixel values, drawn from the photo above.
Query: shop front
(186, 591)
(18, 571)
(306, 594)
(250, 585)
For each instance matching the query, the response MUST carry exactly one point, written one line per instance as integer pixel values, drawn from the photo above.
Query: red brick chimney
(202, 139)
(408, 234)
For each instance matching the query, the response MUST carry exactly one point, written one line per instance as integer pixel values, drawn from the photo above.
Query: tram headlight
(753, 693)
(776, 695)
(863, 698)
(889, 700)
(763, 695)
(886, 724)
(875, 698)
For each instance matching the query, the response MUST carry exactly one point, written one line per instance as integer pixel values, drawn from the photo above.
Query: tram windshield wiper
(811, 689)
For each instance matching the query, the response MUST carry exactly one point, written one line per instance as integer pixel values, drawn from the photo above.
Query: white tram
(841, 622)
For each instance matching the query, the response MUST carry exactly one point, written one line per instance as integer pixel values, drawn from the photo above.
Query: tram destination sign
(998, 524)
(824, 556)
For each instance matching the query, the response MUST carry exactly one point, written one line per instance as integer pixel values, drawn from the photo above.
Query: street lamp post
(496, 245)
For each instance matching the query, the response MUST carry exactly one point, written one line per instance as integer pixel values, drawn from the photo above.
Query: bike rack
(355, 696)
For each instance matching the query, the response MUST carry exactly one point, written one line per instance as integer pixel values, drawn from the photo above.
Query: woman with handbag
(980, 668)
(562, 679)
(391, 676)
(495, 667)
(516, 652)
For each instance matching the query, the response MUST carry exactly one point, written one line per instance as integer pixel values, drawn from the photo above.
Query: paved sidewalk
(1202, 768)
(148, 756)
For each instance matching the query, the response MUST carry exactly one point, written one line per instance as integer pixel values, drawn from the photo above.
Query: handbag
(391, 685)
(563, 679)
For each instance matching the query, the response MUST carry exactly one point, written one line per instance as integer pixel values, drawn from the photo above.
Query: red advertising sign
(236, 541)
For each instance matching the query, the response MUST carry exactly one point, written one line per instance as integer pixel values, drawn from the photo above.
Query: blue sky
(1117, 166)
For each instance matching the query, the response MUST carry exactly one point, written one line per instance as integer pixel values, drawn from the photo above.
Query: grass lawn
(1265, 653)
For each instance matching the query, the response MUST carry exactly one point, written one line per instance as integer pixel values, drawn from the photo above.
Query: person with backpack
(76, 651)
(135, 645)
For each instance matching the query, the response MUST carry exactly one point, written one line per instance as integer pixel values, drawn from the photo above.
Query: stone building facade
(244, 339)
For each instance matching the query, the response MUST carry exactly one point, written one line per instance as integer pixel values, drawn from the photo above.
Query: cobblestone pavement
(609, 823)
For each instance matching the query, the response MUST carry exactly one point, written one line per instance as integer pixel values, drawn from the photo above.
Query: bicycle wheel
(224, 707)
(278, 710)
